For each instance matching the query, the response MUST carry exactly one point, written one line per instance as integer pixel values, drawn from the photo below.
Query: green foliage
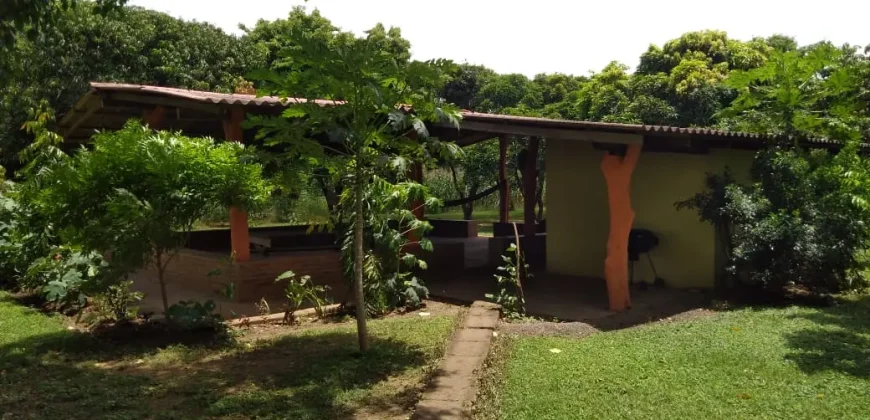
(801, 221)
(130, 45)
(465, 83)
(298, 291)
(370, 127)
(31, 18)
(138, 192)
(801, 93)
(474, 171)
(68, 276)
(510, 282)
(116, 304)
(194, 315)
(392, 235)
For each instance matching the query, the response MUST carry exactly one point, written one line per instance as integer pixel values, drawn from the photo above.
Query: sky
(549, 36)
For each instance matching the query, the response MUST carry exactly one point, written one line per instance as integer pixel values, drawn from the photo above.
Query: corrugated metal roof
(203, 96)
(271, 102)
(612, 127)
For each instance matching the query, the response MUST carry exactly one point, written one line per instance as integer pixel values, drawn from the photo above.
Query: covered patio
(590, 213)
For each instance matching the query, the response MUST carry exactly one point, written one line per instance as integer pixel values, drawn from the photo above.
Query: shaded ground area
(48, 371)
(793, 362)
(144, 282)
(570, 298)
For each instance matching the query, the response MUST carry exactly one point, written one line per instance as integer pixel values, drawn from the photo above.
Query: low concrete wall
(211, 272)
(283, 237)
(444, 228)
(507, 229)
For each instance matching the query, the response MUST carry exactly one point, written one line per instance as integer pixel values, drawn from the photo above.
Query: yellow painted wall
(577, 213)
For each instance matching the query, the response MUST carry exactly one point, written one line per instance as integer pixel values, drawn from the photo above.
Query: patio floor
(571, 298)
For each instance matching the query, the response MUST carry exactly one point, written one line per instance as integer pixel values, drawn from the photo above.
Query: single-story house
(603, 179)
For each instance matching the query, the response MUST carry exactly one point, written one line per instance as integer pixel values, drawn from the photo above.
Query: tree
(474, 170)
(363, 102)
(138, 193)
(464, 86)
(31, 17)
(799, 93)
(503, 91)
(129, 45)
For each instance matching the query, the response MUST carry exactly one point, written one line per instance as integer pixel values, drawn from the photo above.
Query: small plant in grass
(298, 291)
(192, 315)
(510, 282)
(117, 303)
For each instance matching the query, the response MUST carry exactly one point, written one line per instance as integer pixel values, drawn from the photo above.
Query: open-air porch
(603, 180)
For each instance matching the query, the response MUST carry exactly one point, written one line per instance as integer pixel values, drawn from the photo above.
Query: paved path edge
(454, 384)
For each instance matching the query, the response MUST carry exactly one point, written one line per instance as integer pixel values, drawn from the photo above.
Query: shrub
(802, 220)
(192, 315)
(117, 303)
(24, 236)
(68, 276)
(392, 232)
(510, 282)
(138, 193)
(298, 291)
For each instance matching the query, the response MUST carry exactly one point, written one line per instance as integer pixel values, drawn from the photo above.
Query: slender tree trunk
(161, 278)
(358, 257)
(468, 210)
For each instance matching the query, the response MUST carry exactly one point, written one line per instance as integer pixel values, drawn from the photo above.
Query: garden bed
(312, 371)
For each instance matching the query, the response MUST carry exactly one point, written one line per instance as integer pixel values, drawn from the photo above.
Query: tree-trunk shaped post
(504, 191)
(617, 172)
(239, 235)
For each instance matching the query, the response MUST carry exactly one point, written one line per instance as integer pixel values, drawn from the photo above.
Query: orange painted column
(617, 172)
(239, 235)
(504, 191)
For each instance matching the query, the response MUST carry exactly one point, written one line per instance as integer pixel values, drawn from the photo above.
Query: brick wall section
(255, 279)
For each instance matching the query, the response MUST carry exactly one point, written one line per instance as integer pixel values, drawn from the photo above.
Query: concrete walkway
(454, 386)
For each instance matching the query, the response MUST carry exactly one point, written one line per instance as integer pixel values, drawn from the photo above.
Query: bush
(117, 303)
(510, 278)
(391, 231)
(298, 291)
(802, 220)
(68, 277)
(24, 236)
(138, 193)
(193, 315)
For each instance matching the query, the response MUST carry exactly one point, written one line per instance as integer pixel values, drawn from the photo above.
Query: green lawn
(485, 216)
(792, 363)
(47, 371)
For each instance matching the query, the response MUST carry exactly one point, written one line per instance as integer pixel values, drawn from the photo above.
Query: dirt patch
(273, 330)
(689, 315)
(544, 329)
(536, 328)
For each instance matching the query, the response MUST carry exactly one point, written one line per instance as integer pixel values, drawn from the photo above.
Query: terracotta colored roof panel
(203, 96)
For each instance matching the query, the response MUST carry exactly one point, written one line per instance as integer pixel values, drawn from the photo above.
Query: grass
(48, 371)
(485, 216)
(798, 363)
